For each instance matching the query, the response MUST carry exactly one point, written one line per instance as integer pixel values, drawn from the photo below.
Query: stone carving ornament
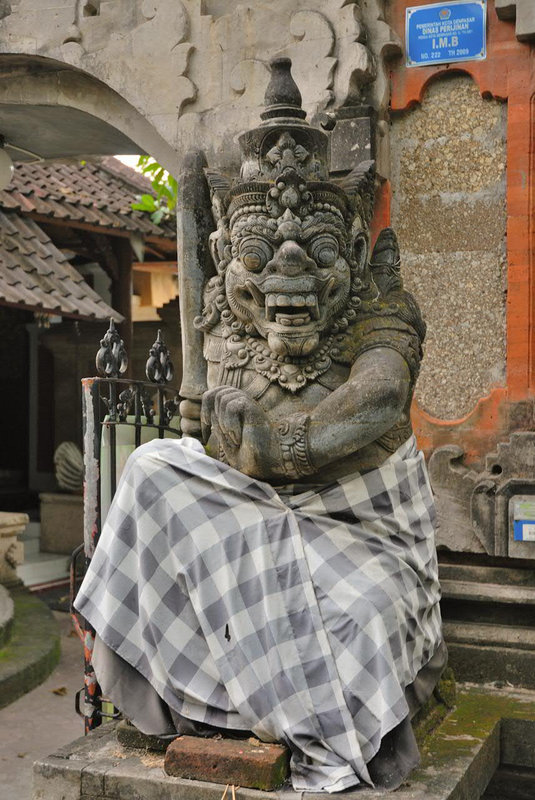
(312, 349)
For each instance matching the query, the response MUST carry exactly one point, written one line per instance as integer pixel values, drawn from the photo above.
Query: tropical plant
(162, 204)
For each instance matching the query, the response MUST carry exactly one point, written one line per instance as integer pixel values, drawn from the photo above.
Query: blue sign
(524, 530)
(443, 33)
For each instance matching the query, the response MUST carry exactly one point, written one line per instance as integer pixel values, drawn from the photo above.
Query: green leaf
(151, 167)
(157, 216)
(145, 202)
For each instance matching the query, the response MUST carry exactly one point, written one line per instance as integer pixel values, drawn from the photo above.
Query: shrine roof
(98, 193)
(35, 275)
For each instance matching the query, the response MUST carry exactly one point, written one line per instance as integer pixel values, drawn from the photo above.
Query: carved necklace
(290, 373)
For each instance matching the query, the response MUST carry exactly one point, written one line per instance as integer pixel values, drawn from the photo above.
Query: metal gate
(119, 414)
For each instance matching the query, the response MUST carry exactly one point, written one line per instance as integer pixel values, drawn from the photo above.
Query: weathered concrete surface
(62, 524)
(458, 761)
(448, 180)
(12, 524)
(488, 623)
(6, 616)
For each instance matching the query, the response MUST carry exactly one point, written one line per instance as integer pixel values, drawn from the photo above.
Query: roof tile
(34, 273)
(98, 193)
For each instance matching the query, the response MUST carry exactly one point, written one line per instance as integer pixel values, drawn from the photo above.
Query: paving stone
(250, 763)
(57, 779)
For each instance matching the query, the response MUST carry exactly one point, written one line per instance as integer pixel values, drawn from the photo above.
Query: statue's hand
(242, 429)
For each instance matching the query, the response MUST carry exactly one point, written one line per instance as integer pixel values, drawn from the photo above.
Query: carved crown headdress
(285, 164)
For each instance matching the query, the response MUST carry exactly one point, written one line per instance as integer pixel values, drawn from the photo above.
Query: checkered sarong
(301, 617)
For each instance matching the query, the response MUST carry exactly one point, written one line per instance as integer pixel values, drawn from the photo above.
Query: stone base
(487, 728)
(62, 522)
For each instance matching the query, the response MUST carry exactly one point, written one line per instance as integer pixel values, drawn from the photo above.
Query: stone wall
(449, 210)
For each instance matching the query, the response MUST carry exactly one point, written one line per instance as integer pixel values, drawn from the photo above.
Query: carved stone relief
(96, 28)
(204, 62)
(473, 505)
(524, 13)
(5, 8)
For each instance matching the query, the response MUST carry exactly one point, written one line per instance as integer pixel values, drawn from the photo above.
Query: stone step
(487, 574)
(31, 531)
(33, 649)
(486, 634)
(492, 664)
(511, 783)
(470, 591)
(6, 616)
(43, 568)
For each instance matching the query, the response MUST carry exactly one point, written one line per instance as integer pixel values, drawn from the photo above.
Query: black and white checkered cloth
(301, 617)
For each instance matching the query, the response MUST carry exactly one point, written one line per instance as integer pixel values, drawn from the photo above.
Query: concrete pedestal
(488, 728)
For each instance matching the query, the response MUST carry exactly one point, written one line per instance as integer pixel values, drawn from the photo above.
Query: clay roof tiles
(95, 193)
(36, 275)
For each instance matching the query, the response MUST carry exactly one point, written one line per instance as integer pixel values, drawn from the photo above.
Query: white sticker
(528, 532)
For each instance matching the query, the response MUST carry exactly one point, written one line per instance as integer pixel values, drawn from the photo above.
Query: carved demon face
(289, 277)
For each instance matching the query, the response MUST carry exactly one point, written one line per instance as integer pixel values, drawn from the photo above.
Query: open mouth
(289, 309)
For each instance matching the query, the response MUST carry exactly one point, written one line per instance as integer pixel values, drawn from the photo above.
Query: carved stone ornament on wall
(524, 13)
(204, 62)
(473, 506)
(5, 8)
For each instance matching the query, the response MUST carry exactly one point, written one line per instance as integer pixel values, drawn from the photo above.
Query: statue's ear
(360, 251)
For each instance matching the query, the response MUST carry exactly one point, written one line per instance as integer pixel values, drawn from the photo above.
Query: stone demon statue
(283, 581)
(312, 351)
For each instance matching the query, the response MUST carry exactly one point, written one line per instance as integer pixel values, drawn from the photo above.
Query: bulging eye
(255, 253)
(324, 251)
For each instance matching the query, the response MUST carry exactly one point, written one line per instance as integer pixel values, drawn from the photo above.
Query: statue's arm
(362, 409)
(354, 415)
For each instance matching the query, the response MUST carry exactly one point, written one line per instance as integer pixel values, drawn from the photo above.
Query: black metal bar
(161, 412)
(137, 417)
(112, 413)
